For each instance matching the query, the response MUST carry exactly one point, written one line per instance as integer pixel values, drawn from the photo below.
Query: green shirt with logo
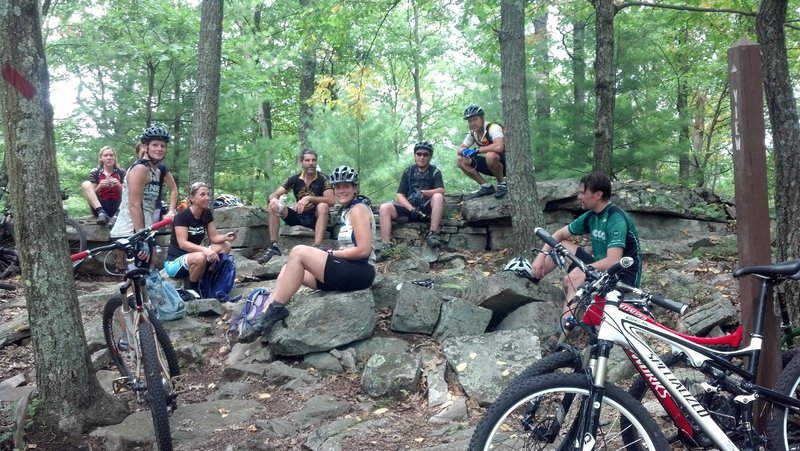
(612, 227)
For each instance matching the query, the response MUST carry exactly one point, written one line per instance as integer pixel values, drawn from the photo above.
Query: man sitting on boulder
(314, 196)
(420, 197)
(613, 236)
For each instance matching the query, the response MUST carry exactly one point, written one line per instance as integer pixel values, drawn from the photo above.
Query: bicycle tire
(783, 431)
(157, 381)
(114, 331)
(9, 262)
(504, 419)
(78, 243)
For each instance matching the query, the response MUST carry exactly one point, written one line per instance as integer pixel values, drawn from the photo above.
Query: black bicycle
(139, 344)
(9, 263)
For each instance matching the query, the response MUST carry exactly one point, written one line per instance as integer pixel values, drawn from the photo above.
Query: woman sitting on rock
(187, 257)
(350, 268)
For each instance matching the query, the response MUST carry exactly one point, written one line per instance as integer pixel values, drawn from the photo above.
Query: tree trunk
(71, 398)
(525, 215)
(307, 86)
(579, 138)
(542, 63)
(416, 74)
(785, 131)
(682, 104)
(604, 86)
(204, 123)
(698, 138)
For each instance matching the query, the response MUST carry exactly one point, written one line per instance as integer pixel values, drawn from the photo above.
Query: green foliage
(134, 64)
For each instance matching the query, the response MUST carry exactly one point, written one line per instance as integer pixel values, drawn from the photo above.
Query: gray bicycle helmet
(344, 174)
(425, 145)
(473, 110)
(155, 132)
(520, 266)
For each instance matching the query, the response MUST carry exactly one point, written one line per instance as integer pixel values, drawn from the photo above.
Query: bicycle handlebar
(559, 250)
(122, 243)
(675, 306)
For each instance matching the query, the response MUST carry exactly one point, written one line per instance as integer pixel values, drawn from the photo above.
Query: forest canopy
(387, 74)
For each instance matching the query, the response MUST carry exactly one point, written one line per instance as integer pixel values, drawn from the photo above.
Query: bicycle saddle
(789, 269)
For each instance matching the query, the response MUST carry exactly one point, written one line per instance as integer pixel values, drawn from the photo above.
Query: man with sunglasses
(420, 197)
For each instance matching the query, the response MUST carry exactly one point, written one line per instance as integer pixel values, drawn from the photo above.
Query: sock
(194, 286)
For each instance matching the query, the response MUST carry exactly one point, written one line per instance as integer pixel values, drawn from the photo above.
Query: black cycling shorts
(346, 275)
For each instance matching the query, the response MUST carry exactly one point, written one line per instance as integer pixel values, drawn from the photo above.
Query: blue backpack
(217, 284)
(165, 298)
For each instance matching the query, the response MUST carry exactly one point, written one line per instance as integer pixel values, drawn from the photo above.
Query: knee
(196, 259)
(437, 198)
(386, 210)
(492, 158)
(323, 210)
(86, 186)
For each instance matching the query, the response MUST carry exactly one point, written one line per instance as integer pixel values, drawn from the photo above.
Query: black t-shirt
(316, 188)
(414, 180)
(197, 230)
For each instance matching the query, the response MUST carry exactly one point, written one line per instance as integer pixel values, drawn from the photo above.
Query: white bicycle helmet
(227, 200)
(521, 266)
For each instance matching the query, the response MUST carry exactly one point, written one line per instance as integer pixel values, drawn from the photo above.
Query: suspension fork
(590, 420)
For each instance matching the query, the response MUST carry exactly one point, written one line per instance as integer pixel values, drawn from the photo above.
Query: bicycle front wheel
(158, 386)
(123, 344)
(783, 426)
(546, 412)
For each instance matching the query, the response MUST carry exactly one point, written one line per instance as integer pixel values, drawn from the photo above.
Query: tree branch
(686, 8)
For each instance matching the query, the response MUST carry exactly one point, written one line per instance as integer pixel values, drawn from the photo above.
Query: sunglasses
(423, 154)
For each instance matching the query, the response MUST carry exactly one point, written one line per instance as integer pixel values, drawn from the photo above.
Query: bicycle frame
(630, 331)
(133, 317)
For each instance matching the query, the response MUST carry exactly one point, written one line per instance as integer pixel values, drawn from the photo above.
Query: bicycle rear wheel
(76, 236)
(123, 343)
(158, 387)
(9, 262)
(545, 413)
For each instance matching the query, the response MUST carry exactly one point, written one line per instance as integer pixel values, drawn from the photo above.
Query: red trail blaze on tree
(19, 82)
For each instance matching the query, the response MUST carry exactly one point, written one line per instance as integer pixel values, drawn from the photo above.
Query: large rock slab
(416, 310)
(485, 364)
(504, 292)
(391, 374)
(324, 321)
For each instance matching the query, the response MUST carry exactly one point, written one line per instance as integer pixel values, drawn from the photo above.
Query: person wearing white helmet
(483, 152)
(349, 268)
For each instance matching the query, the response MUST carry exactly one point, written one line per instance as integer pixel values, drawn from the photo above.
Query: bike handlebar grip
(79, 256)
(545, 236)
(669, 304)
(623, 263)
(162, 223)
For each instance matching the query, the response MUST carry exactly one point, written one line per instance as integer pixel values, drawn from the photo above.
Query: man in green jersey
(613, 236)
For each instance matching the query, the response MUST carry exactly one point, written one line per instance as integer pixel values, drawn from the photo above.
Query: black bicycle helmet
(473, 110)
(425, 145)
(155, 132)
(344, 174)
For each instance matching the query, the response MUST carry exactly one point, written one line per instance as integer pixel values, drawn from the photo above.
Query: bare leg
(495, 165)
(387, 214)
(274, 225)
(302, 260)
(323, 213)
(87, 188)
(464, 165)
(437, 210)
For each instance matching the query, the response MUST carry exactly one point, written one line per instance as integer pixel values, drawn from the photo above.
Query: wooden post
(752, 209)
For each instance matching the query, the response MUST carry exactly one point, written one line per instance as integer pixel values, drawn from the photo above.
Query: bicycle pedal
(120, 385)
(179, 383)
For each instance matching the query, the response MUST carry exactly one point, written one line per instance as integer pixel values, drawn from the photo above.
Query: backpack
(165, 298)
(217, 284)
(255, 304)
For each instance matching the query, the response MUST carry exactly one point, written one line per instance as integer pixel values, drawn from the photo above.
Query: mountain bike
(138, 343)
(716, 411)
(9, 263)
